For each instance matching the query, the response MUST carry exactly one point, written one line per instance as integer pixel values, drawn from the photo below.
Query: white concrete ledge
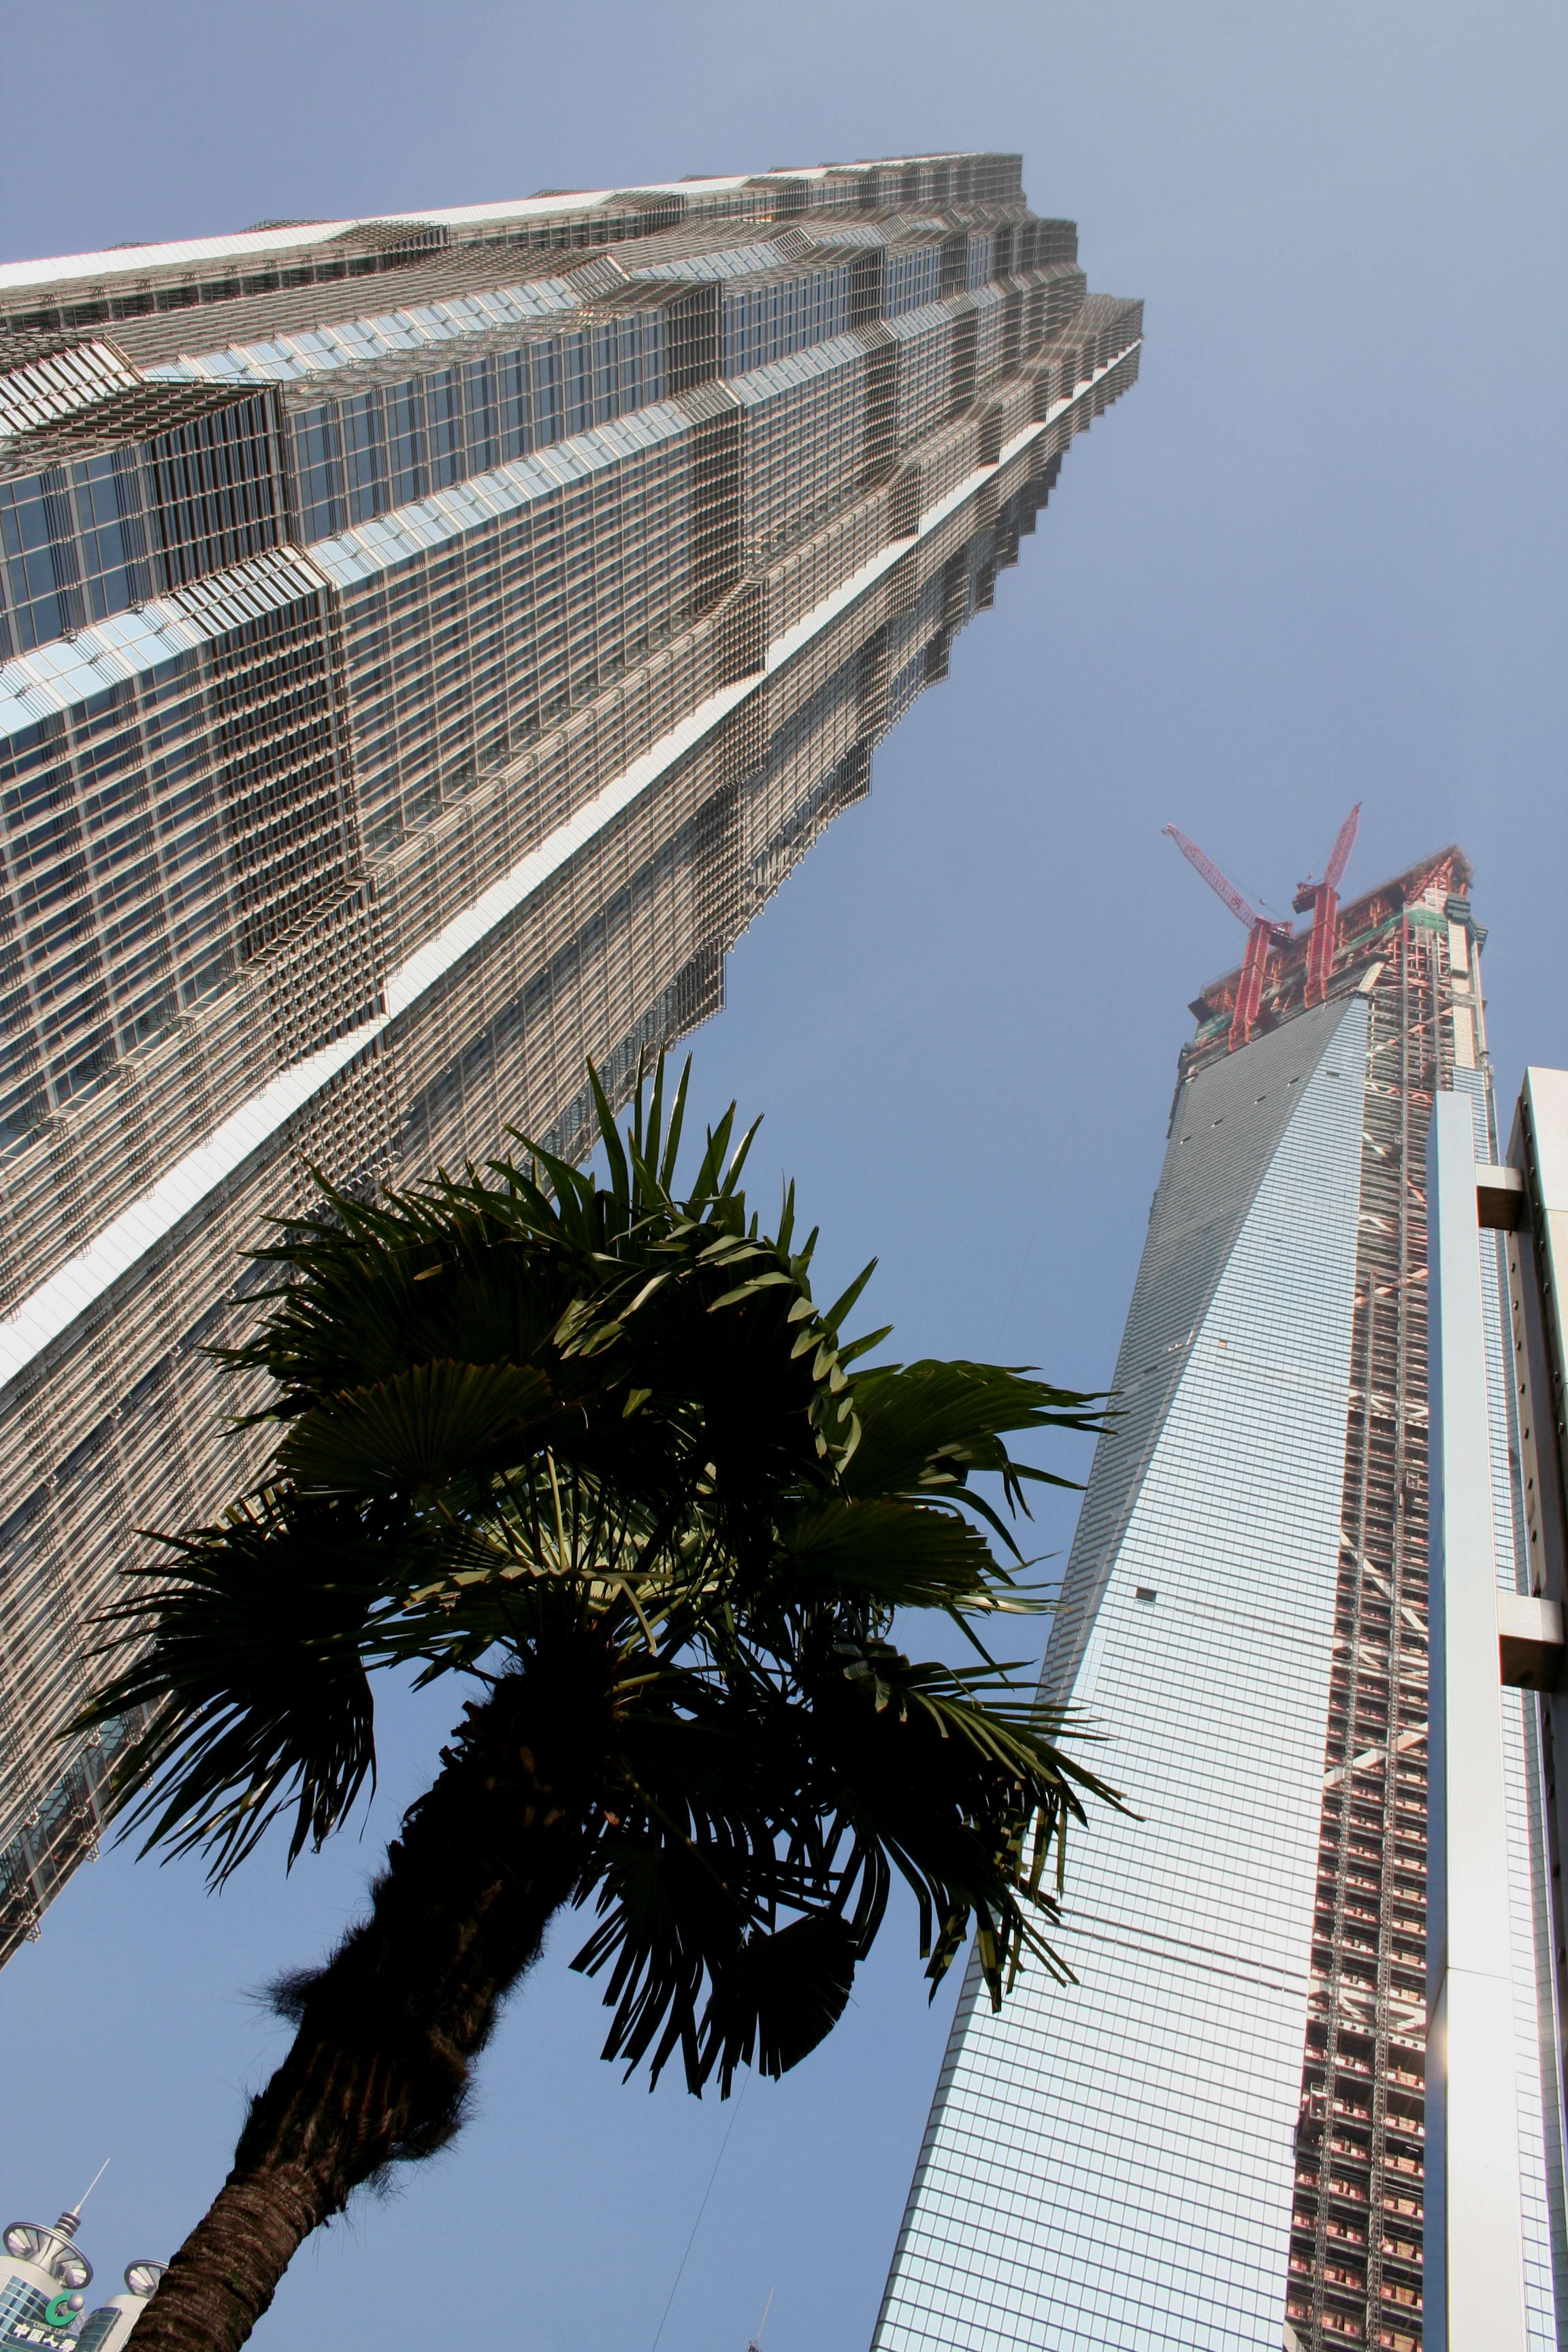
(1530, 1641)
(1499, 1197)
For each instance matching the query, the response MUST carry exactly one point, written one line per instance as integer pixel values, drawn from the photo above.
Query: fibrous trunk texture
(389, 2028)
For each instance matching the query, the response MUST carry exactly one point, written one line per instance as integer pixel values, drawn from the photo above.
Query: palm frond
(784, 1794)
(419, 1428)
(930, 1425)
(776, 1996)
(891, 1553)
(250, 1650)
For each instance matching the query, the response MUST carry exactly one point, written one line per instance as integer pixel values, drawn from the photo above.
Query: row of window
(81, 541)
(456, 661)
(168, 835)
(359, 456)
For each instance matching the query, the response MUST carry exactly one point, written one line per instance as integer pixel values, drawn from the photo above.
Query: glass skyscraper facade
(424, 645)
(1214, 2139)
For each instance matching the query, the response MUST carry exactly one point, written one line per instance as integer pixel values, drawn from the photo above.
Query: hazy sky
(1315, 557)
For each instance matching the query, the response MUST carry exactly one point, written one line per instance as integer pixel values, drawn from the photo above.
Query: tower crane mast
(1321, 899)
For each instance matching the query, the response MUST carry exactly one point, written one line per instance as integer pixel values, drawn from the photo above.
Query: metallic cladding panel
(1225, 1124)
(1109, 2166)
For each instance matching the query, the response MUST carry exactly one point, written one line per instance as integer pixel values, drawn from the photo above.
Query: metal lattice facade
(424, 645)
(1216, 2137)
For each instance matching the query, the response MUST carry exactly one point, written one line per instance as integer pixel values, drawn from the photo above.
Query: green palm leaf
(891, 1553)
(256, 1673)
(929, 1425)
(418, 1429)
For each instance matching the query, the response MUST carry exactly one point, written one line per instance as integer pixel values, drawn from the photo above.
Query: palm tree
(592, 1446)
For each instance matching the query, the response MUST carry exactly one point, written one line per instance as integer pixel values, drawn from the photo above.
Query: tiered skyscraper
(1215, 2138)
(427, 643)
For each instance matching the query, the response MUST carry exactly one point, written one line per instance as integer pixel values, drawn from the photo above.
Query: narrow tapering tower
(1216, 2137)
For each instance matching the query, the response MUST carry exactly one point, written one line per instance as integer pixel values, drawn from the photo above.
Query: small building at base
(44, 2278)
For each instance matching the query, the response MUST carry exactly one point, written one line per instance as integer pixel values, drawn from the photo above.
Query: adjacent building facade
(424, 645)
(1215, 2138)
(1497, 2212)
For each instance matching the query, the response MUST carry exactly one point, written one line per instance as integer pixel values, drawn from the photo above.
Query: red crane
(1263, 929)
(1322, 900)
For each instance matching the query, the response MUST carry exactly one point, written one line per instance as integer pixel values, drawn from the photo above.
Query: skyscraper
(426, 643)
(1214, 2137)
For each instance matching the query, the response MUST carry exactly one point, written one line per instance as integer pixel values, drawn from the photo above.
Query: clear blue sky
(1317, 556)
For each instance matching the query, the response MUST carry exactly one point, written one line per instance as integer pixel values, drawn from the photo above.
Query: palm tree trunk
(389, 2028)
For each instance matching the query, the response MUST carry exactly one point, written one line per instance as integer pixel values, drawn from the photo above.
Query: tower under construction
(1215, 2135)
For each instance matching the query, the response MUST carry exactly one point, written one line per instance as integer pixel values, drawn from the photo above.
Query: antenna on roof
(93, 2184)
(69, 2221)
(756, 2343)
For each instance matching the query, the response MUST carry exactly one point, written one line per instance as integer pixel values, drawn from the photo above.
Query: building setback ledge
(1530, 1641)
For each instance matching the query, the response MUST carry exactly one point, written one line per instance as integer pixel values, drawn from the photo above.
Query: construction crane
(1322, 900)
(1263, 931)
